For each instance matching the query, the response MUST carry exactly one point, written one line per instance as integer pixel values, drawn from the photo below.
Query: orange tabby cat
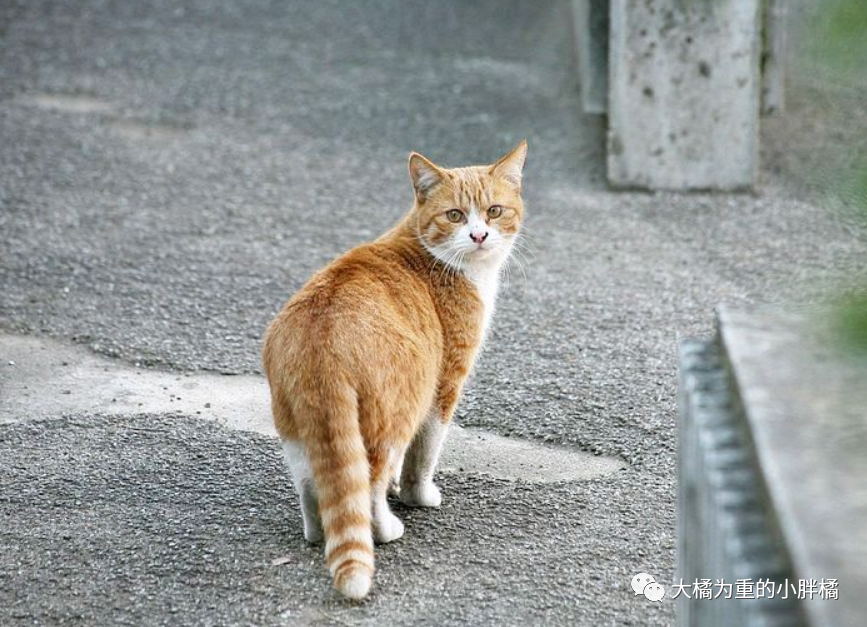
(366, 362)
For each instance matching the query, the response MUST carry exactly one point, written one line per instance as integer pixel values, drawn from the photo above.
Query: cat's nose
(478, 237)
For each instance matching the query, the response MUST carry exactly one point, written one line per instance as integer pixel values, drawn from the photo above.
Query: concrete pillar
(591, 41)
(684, 89)
(774, 53)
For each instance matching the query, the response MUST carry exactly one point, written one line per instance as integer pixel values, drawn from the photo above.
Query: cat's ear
(511, 166)
(424, 174)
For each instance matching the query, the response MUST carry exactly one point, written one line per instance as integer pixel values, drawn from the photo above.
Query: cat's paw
(387, 528)
(424, 494)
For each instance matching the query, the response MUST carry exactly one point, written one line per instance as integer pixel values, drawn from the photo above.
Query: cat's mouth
(481, 250)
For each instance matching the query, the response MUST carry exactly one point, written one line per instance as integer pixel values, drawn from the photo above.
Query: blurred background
(171, 172)
(831, 72)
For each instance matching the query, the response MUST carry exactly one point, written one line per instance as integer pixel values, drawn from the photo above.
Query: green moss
(846, 21)
(838, 38)
(836, 46)
(852, 322)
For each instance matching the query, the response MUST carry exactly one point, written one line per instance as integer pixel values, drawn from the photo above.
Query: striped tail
(342, 475)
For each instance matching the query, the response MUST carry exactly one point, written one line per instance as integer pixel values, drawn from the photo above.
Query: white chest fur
(487, 282)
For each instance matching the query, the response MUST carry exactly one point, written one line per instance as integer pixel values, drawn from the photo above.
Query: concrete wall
(591, 41)
(684, 93)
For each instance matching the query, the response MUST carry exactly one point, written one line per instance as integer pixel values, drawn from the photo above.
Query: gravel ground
(171, 174)
(163, 520)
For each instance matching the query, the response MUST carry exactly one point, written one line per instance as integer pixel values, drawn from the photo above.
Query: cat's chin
(484, 254)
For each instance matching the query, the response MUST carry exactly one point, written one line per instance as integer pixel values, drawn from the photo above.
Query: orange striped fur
(367, 361)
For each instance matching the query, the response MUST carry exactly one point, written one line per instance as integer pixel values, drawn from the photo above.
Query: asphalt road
(169, 174)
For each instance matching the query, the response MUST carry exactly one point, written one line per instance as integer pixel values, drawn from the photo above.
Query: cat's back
(373, 295)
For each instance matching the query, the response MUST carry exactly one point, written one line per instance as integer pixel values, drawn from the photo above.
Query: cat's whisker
(449, 270)
(460, 263)
(520, 257)
(507, 275)
(522, 268)
(434, 260)
(449, 266)
(517, 259)
(513, 261)
(523, 247)
(527, 233)
(522, 240)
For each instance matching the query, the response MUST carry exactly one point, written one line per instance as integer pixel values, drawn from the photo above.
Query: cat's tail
(342, 474)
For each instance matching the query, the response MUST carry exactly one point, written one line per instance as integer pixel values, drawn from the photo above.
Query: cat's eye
(495, 211)
(454, 215)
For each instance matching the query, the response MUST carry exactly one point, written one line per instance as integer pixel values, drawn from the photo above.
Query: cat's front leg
(386, 526)
(394, 481)
(417, 488)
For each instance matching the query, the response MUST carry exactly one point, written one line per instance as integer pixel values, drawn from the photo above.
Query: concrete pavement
(170, 174)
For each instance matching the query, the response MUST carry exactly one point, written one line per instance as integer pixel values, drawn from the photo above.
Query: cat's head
(471, 215)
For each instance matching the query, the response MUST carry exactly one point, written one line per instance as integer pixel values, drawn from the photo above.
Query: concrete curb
(771, 467)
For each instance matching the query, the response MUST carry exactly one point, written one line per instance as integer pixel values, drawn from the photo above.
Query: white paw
(424, 494)
(387, 528)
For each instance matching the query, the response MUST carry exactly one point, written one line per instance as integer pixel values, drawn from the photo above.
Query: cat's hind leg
(302, 476)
